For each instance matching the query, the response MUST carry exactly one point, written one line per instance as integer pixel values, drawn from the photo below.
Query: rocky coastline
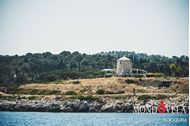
(130, 105)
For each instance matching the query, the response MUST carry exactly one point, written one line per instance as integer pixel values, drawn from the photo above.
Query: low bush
(141, 91)
(76, 82)
(58, 82)
(39, 92)
(100, 91)
(88, 98)
(32, 97)
(123, 96)
(161, 96)
(154, 75)
(70, 93)
(11, 97)
(157, 97)
(144, 97)
(10, 88)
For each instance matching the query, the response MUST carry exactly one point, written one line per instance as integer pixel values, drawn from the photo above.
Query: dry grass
(90, 86)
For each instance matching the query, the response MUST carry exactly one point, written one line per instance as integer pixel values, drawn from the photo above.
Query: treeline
(45, 67)
(175, 66)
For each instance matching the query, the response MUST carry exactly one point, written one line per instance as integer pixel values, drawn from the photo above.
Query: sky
(92, 26)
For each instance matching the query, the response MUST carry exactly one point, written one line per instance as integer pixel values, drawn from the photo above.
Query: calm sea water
(91, 119)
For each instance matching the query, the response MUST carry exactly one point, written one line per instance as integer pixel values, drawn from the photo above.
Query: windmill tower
(124, 66)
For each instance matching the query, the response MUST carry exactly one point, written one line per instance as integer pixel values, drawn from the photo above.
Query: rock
(100, 105)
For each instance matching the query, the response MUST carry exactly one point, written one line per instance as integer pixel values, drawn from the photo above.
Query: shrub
(144, 97)
(147, 97)
(32, 97)
(58, 82)
(50, 78)
(89, 98)
(100, 91)
(10, 88)
(39, 92)
(161, 96)
(48, 92)
(20, 78)
(154, 75)
(76, 82)
(70, 93)
(29, 91)
(141, 91)
(11, 97)
(123, 96)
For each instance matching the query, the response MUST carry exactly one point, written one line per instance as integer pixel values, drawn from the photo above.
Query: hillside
(116, 94)
(46, 67)
(102, 86)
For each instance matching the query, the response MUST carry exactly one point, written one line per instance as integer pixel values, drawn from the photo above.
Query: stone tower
(124, 66)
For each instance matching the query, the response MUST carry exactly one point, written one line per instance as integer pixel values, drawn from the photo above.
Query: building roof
(124, 58)
(107, 70)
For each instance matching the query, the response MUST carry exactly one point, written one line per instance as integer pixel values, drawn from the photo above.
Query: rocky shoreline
(100, 105)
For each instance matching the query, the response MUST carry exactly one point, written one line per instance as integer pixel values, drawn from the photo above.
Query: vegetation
(14, 89)
(161, 96)
(142, 91)
(100, 91)
(123, 96)
(81, 97)
(76, 82)
(32, 97)
(70, 93)
(47, 67)
(144, 97)
(12, 97)
(57, 82)
(147, 97)
(10, 88)
(154, 75)
(39, 92)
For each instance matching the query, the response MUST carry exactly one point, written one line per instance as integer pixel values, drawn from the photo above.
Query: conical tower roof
(124, 58)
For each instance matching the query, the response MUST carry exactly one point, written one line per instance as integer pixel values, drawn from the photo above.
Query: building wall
(124, 67)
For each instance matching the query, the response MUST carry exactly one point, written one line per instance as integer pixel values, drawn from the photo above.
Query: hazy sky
(92, 26)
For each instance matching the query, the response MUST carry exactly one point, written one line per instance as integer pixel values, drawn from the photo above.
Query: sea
(91, 119)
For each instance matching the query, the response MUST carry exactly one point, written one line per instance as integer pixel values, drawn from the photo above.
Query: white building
(124, 66)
